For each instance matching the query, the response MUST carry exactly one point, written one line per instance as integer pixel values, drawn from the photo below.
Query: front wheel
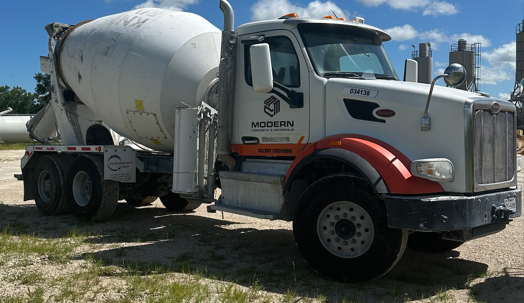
(341, 230)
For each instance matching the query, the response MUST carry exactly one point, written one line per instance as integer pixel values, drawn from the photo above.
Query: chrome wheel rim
(82, 188)
(345, 229)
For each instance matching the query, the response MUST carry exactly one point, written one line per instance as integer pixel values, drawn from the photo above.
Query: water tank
(13, 129)
(132, 69)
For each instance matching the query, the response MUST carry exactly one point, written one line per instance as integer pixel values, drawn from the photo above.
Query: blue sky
(441, 23)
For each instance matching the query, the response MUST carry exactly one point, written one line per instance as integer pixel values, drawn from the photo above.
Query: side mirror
(411, 71)
(261, 69)
(521, 88)
(454, 75)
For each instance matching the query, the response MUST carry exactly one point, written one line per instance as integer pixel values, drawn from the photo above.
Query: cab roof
(291, 23)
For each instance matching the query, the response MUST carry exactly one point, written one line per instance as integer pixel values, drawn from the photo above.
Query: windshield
(344, 51)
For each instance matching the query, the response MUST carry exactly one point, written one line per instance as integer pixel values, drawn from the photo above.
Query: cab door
(265, 124)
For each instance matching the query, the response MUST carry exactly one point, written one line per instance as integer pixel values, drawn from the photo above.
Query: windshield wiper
(342, 75)
(386, 77)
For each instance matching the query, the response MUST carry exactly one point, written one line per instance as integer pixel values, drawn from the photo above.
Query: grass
(15, 146)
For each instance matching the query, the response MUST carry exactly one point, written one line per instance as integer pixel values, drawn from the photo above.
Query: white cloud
(402, 47)
(471, 39)
(428, 7)
(272, 9)
(504, 96)
(504, 55)
(402, 33)
(440, 64)
(440, 8)
(434, 36)
(494, 74)
(176, 5)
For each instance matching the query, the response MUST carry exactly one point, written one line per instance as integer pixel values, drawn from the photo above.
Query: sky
(409, 22)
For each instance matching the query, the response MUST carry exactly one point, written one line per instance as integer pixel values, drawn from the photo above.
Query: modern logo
(272, 106)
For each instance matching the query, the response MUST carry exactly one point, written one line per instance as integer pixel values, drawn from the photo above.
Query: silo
(425, 63)
(519, 75)
(467, 55)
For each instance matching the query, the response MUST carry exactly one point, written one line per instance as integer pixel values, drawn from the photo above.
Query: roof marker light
(288, 16)
(343, 19)
(330, 17)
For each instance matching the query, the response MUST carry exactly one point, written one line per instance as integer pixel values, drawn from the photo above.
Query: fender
(386, 168)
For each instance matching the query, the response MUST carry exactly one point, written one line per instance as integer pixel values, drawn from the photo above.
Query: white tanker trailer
(311, 125)
(13, 127)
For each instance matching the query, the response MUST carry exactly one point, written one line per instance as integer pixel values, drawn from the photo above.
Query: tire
(341, 230)
(141, 202)
(431, 242)
(90, 197)
(49, 184)
(174, 202)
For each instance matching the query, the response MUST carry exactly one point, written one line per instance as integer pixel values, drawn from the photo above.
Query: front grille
(494, 147)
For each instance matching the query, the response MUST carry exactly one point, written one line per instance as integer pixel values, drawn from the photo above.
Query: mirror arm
(294, 99)
(426, 121)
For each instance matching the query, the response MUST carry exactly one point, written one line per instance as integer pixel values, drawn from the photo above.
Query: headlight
(519, 162)
(433, 169)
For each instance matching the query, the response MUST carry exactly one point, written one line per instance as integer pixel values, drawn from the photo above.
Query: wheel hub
(45, 186)
(82, 188)
(345, 229)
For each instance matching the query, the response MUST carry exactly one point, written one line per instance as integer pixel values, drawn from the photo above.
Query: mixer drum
(132, 69)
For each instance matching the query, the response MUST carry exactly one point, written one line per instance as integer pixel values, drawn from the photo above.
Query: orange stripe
(300, 140)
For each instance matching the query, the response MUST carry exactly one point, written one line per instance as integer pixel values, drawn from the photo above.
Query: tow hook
(501, 214)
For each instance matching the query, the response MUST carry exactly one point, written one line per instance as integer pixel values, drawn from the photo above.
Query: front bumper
(447, 213)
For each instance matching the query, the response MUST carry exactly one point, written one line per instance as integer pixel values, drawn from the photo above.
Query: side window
(286, 69)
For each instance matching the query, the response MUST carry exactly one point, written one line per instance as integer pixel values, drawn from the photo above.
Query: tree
(43, 81)
(21, 101)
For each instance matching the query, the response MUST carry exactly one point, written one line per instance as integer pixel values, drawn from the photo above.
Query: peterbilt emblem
(495, 108)
(385, 113)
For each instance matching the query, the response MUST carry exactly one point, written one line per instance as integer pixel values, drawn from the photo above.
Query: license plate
(510, 204)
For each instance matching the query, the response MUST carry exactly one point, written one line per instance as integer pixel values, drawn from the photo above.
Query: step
(243, 211)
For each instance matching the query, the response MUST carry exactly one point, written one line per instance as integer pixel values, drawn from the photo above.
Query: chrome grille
(494, 147)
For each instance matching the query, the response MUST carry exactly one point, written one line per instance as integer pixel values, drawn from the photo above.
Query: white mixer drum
(132, 69)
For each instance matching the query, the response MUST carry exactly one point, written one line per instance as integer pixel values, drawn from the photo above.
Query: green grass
(14, 146)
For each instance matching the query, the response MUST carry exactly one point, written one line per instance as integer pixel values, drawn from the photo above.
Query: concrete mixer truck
(292, 119)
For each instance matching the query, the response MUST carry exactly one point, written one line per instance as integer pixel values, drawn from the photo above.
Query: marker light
(343, 19)
(291, 15)
(329, 17)
(434, 169)
(519, 163)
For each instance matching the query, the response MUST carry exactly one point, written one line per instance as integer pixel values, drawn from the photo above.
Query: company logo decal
(385, 113)
(495, 108)
(272, 106)
(114, 163)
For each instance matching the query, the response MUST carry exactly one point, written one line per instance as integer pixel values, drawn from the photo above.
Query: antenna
(335, 15)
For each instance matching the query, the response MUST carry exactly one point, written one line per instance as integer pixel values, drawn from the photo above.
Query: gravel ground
(241, 250)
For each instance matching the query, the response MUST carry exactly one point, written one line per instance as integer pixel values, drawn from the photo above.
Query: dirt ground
(227, 247)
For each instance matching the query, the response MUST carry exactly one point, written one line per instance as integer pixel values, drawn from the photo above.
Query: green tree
(43, 81)
(21, 101)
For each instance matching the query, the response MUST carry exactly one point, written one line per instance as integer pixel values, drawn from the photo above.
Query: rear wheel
(341, 230)
(431, 242)
(174, 202)
(50, 181)
(90, 197)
